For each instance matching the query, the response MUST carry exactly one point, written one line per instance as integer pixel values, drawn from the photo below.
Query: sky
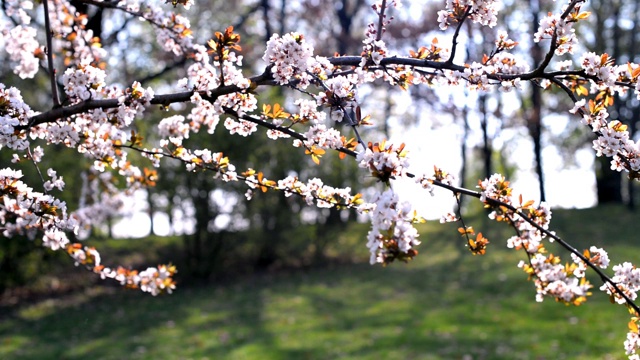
(566, 188)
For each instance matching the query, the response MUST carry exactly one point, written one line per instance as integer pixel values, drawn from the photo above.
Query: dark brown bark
(534, 120)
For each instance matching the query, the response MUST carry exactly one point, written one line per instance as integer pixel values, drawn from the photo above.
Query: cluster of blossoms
(203, 114)
(203, 77)
(26, 212)
(54, 182)
(154, 280)
(340, 93)
(202, 74)
(23, 49)
(19, 8)
(496, 191)
(373, 50)
(318, 135)
(601, 66)
(565, 283)
(506, 63)
(627, 279)
(309, 112)
(632, 343)
(553, 25)
(613, 139)
(475, 76)
(13, 112)
(383, 160)
(503, 42)
(392, 235)
(136, 99)
(315, 190)
(195, 159)
(175, 128)
(242, 127)
(230, 69)
(484, 12)
(173, 31)
(553, 279)
(374, 47)
(83, 83)
(239, 103)
(289, 57)
(20, 41)
(103, 130)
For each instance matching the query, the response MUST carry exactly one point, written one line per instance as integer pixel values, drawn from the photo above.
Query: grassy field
(447, 304)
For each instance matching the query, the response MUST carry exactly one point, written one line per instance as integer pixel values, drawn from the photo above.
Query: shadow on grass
(447, 304)
(456, 307)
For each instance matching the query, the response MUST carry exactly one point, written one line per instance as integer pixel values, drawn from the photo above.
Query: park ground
(446, 304)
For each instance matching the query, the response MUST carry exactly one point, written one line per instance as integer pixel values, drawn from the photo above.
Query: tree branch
(550, 234)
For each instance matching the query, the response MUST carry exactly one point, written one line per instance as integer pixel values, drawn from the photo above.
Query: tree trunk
(534, 121)
(487, 150)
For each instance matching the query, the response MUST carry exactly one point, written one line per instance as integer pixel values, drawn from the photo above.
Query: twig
(383, 7)
(454, 41)
(36, 166)
(52, 70)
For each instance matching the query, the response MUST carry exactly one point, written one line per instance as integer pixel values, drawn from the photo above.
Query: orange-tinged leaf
(278, 112)
(635, 72)
(618, 126)
(249, 172)
(357, 199)
(583, 15)
(366, 120)
(609, 100)
(581, 90)
(316, 153)
(136, 139)
(467, 230)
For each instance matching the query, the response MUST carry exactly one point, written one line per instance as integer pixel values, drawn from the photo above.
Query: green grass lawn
(447, 304)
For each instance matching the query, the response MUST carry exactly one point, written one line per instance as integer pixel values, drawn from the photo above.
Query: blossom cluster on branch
(96, 118)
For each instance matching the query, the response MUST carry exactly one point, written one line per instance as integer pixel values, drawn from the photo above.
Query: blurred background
(313, 257)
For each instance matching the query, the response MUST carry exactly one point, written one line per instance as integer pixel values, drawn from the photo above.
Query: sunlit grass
(447, 304)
